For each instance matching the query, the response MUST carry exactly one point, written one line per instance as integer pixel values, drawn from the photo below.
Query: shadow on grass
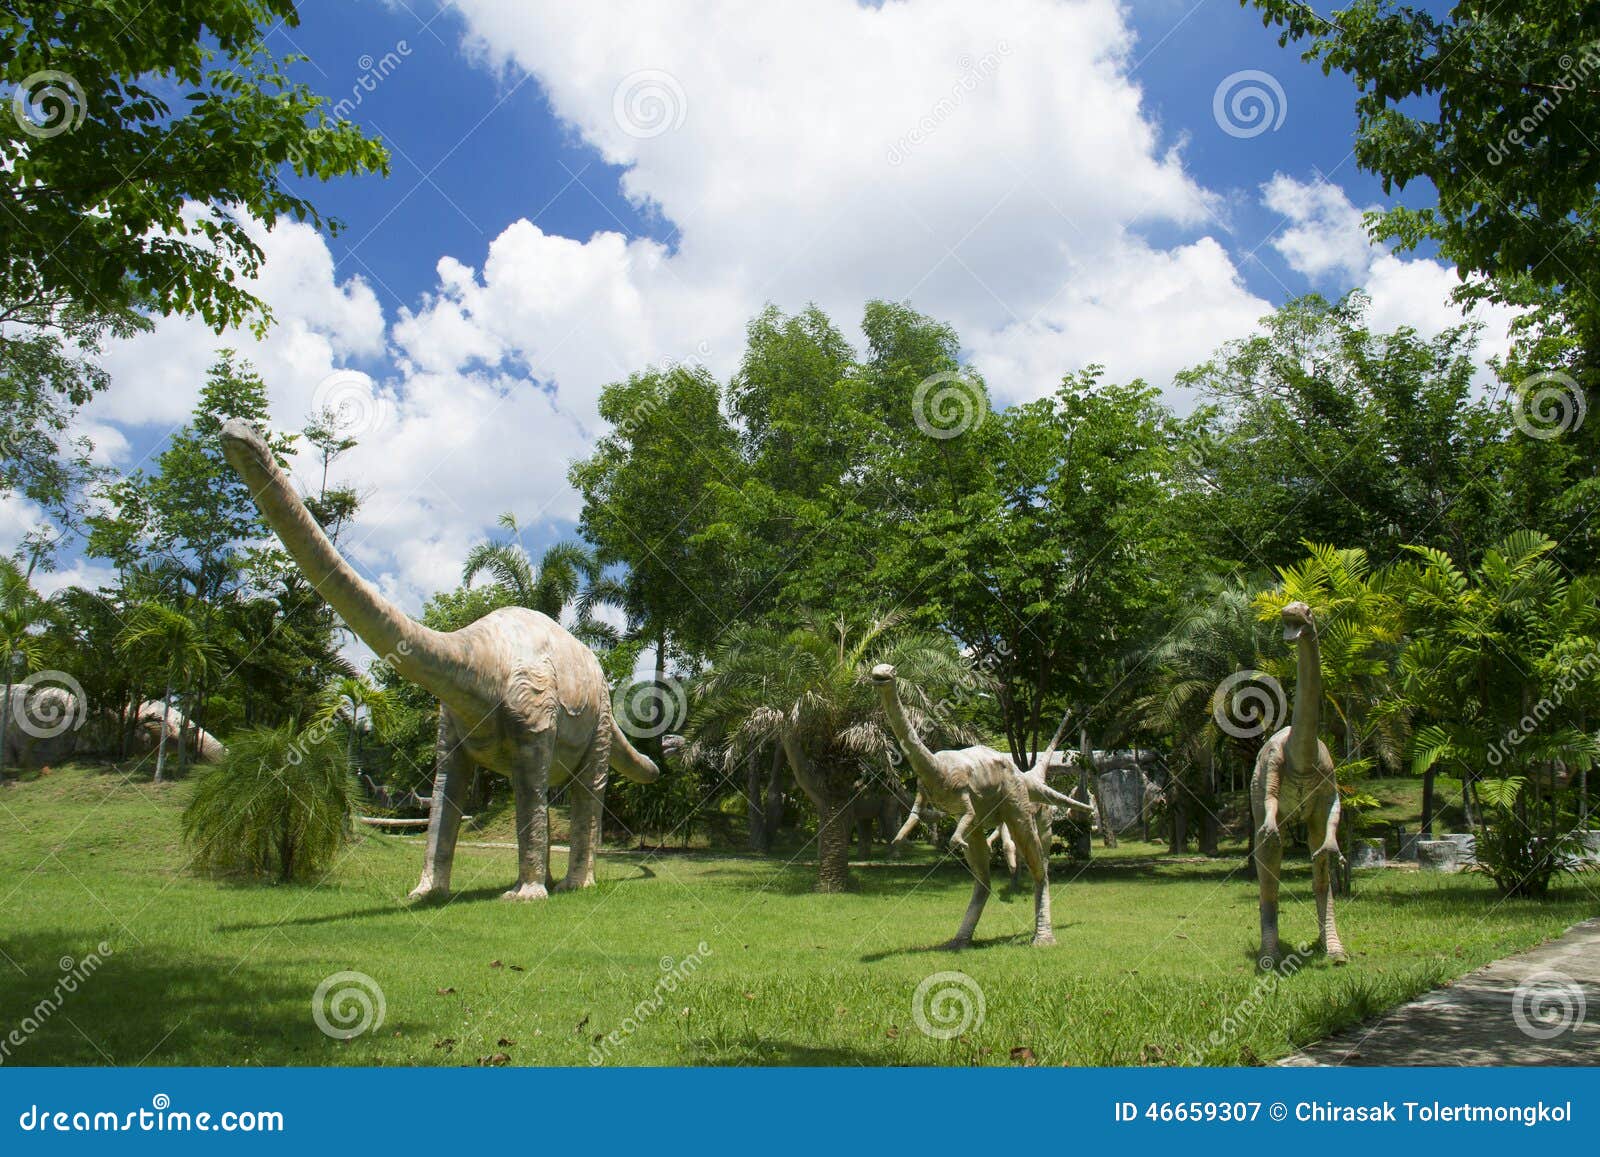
(136, 1007)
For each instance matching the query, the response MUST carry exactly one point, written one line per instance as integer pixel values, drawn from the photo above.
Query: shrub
(1524, 843)
(276, 808)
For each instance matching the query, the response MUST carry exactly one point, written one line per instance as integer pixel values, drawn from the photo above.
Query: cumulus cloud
(1327, 242)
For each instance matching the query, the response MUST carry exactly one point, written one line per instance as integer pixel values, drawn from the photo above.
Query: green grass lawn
(1154, 963)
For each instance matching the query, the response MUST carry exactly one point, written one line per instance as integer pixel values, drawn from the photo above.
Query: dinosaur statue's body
(42, 733)
(984, 788)
(153, 715)
(1294, 779)
(517, 695)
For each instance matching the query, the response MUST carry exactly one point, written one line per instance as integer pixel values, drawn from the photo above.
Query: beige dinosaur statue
(983, 788)
(153, 715)
(517, 694)
(1294, 779)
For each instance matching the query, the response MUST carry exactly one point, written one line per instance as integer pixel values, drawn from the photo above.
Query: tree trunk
(1426, 827)
(755, 814)
(1178, 832)
(773, 819)
(183, 738)
(161, 743)
(1208, 817)
(5, 722)
(833, 844)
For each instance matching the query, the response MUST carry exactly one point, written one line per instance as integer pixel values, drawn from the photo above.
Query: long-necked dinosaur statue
(983, 788)
(1294, 779)
(517, 695)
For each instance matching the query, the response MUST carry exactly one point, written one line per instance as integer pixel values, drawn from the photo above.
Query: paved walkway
(1539, 1008)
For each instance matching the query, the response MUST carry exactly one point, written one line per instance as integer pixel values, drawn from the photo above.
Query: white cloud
(1327, 242)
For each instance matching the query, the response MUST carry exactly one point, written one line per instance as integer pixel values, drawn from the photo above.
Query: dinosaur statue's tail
(1041, 792)
(629, 760)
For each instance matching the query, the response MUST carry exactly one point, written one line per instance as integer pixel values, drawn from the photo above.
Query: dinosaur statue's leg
(1026, 835)
(969, 816)
(1324, 832)
(588, 793)
(1269, 857)
(978, 863)
(451, 776)
(531, 785)
(912, 820)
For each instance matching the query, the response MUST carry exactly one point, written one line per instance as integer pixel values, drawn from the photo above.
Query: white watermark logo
(348, 1004)
(1547, 1005)
(351, 402)
(1248, 703)
(1549, 405)
(648, 103)
(948, 404)
(1249, 103)
(49, 103)
(647, 708)
(947, 1004)
(49, 703)
(674, 973)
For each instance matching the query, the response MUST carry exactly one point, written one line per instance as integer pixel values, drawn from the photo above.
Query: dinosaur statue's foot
(1044, 940)
(1337, 955)
(956, 944)
(526, 892)
(571, 885)
(428, 894)
(1268, 958)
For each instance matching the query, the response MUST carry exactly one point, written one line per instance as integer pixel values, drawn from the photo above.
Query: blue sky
(578, 191)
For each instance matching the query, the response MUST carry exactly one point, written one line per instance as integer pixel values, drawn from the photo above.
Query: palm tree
(1500, 670)
(807, 689)
(568, 572)
(22, 613)
(169, 642)
(352, 701)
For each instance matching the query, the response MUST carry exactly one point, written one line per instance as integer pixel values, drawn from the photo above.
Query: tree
(133, 178)
(807, 689)
(1500, 671)
(567, 572)
(277, 807)
(650, 496)
(170, 645)
(22, 616)
(1323, 430)
(356, 704)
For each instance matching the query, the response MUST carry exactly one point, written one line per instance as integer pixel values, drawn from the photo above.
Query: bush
(276, 808)
(1524, 843)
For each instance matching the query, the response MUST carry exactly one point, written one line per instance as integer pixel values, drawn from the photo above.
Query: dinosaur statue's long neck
(921, 758)
(1307, 702)
(425, 657)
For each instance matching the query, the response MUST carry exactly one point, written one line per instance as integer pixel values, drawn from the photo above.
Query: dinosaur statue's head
(883, 673)
(1296, 621)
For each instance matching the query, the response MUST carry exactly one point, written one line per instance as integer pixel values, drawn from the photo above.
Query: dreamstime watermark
(1573, 73)
(1548, 405)
(73, 974)
(353, 406)
(1249, 703)
(646, 708)
(1248, 103)
(347, 1004)
(948, 404)
(657, 398)
(649, 102)
(1256, 1001)
(973, 74)
(49, 103)
(1546, 1005)
(374, 71)
(673, 974)
(1500, 750)
(947, 1004)
(49, 703)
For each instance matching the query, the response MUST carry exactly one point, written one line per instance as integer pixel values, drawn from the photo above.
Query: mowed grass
(1154, 964)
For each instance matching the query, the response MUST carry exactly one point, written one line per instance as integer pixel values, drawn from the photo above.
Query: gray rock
(1368, 854)
(1440, 856)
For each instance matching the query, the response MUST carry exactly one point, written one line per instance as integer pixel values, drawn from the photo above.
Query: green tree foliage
(277, 808)
(172, 648)
(1328, 432)
(23, 616)
(808, 690)
(157, 149)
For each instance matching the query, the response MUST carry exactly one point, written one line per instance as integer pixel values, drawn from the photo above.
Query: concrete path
(1539, 1008)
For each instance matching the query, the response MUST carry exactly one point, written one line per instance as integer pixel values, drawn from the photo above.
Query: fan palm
(353, 703)
(170, 643)
(567, 572)
(807, 689)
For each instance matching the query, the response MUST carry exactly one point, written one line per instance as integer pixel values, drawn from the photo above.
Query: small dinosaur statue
(1294, 779)
(984, 788)
(517, 694)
